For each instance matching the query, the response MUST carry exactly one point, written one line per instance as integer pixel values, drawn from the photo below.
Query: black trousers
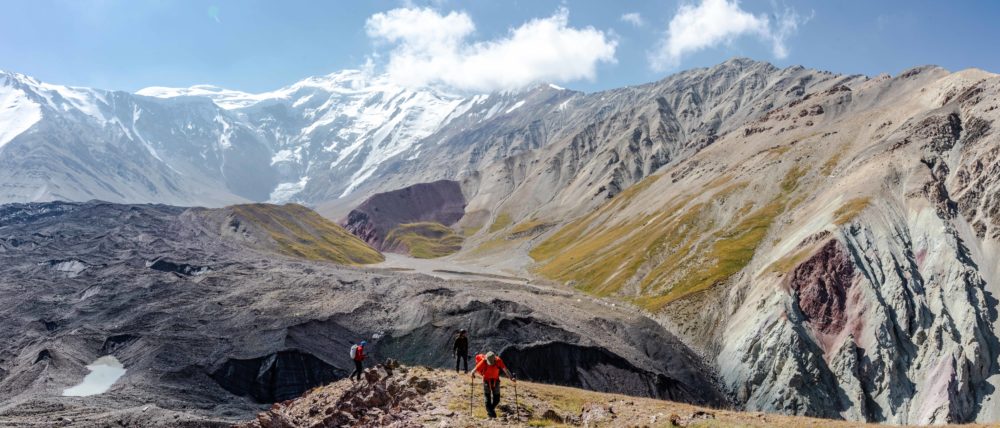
(462, 357)
(357, 370)
(491, 392)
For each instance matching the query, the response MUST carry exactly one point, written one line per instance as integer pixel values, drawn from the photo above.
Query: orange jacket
(489, 372)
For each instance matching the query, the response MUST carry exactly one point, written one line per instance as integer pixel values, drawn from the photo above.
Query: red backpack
(357, 353)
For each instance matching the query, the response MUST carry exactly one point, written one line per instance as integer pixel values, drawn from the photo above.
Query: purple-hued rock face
(822, 284)
(440, 202)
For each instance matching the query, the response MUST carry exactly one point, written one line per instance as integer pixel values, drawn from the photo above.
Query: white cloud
(633, 18)
(428, 47)
(712, 22)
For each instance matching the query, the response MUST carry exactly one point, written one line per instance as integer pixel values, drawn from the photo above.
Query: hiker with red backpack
(358, 355)
(489, 366)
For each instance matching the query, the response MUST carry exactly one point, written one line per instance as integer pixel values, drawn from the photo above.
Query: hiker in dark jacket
(358, 355)
(462, 350)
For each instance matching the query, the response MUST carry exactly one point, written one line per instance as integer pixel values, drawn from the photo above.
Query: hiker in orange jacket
(489, 367)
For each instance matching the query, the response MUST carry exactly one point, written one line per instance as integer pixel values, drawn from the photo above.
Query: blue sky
(258, 45)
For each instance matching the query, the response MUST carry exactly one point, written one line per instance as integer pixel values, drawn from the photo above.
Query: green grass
(502, 221)
(424, 240)
(731, 251)
(670, 254)
(301, 232)
(575, 231)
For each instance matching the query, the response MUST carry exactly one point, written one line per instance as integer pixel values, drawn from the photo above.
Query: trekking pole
(472, 393)
(517, 407)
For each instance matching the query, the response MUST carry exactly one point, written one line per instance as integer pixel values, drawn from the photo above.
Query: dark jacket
(462, 345)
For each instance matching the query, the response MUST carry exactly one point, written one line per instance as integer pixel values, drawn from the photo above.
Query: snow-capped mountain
(317, 140)
(71, 143)
(206, 145)
(337, 129)
(225, 98)
(331, 134)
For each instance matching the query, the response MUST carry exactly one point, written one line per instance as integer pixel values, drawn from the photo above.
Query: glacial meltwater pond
(103, 373)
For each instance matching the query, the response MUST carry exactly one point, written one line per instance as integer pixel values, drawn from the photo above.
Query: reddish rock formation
(821, 283)
(439, 202)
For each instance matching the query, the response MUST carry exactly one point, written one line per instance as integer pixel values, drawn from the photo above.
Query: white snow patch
(285, 191)
(136, 113)
(557, 87)
(286, 155)
(224, 142)
(514, 107)
(299, 102)
(17, 113)
(491, 112)
(104, 372)
(72, 268)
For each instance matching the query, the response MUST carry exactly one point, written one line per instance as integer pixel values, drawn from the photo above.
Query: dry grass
(850, 210)
(502, 221)
(680, 250)
(425, 240)
(831, 164)
(454, 401)
(785, 264)
(528, 227)
(778, 150)
(491, 246)
(301, 232)
(536, 398)
(470, 230)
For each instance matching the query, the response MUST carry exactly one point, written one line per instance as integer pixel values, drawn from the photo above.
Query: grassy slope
(850, 210)
(424, 240)
(503, 220)
(301, 232)
(674, 252)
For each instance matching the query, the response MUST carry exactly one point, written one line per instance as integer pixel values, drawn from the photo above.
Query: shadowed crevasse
(597, 369)
(185, 269)
(280, 376)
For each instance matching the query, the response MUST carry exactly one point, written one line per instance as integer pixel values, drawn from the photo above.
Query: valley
(745, 237)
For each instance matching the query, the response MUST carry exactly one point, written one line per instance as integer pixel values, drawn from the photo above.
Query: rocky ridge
(393, 396)
(819, 254)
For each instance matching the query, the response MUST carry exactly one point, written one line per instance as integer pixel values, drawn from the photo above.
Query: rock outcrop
(439, 202)
(388, 396)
